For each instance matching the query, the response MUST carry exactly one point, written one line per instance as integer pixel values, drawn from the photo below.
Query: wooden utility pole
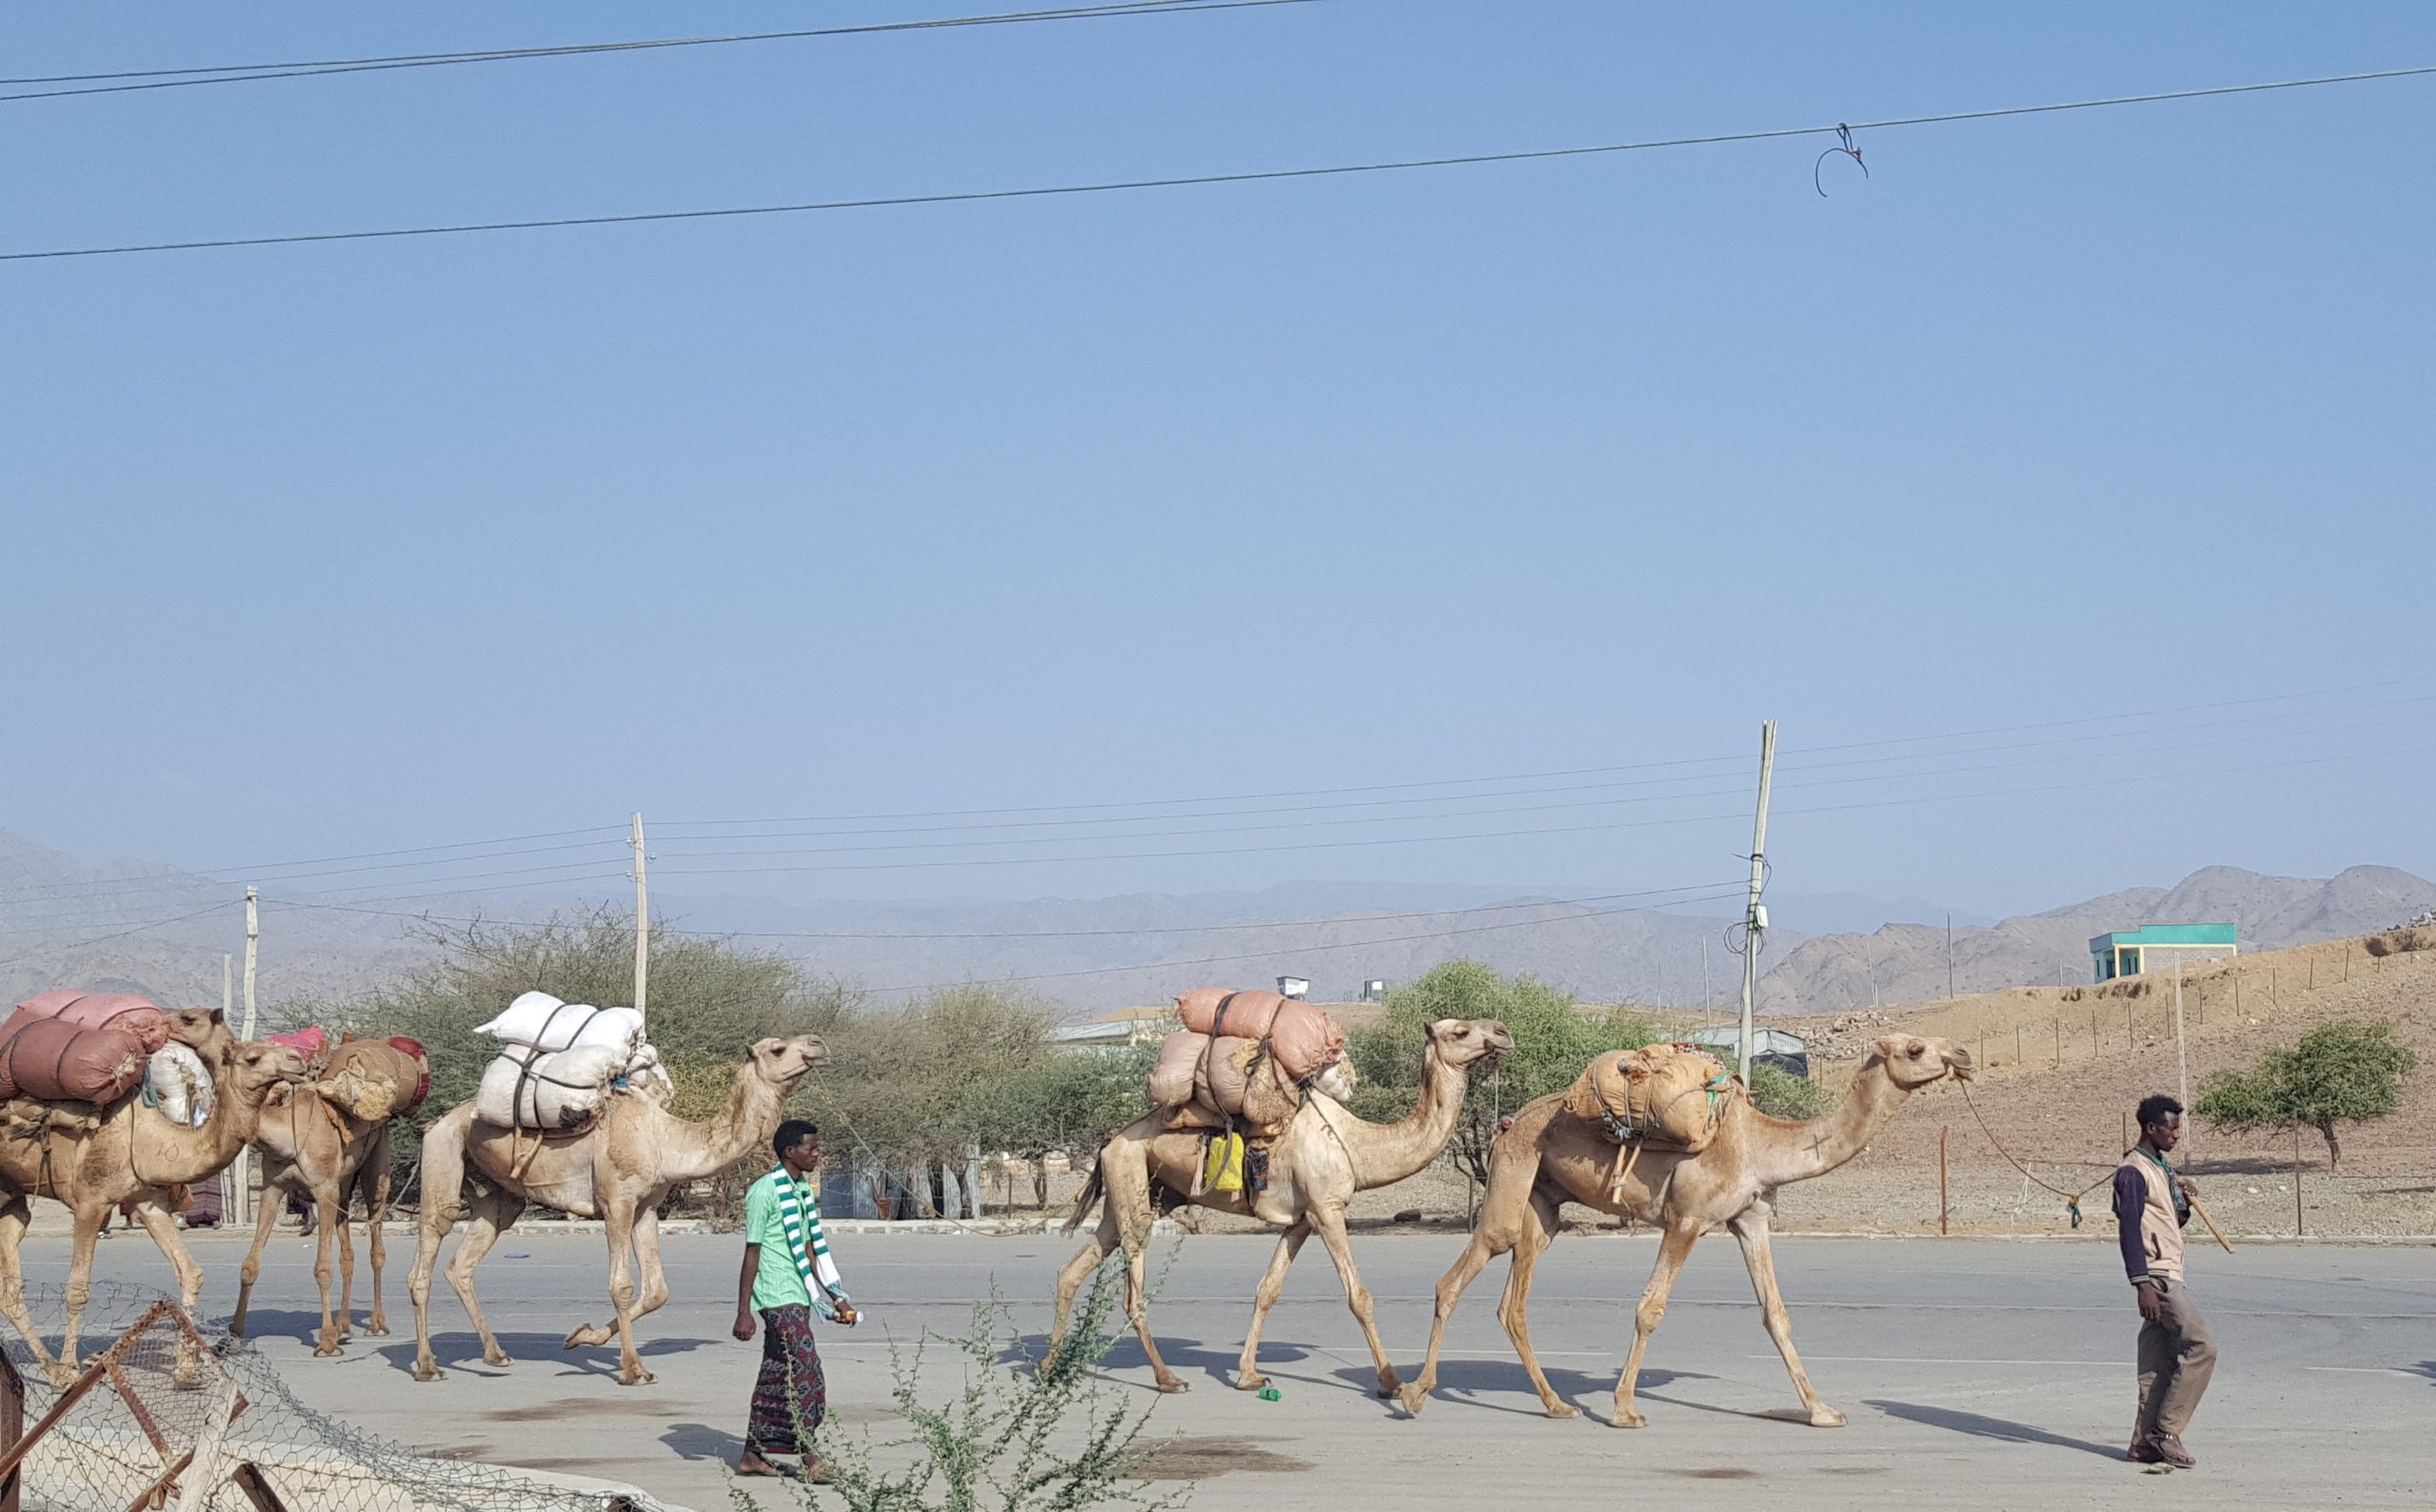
(1708, 999)
(642, 917)
(240, 1200)
(1755, 918)
(1948, 957)
(2181, 1048)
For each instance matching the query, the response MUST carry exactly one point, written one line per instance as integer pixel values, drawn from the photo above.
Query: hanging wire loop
(1845, 139)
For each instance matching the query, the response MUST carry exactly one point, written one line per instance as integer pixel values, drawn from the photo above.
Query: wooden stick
(2209, 1221)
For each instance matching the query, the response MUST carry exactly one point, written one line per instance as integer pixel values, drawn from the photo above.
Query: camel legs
(329, 1226)
(265, 1223)
(654, 1293)
(15, 1211)
(1075, 1271)
(1514, 1308)
(1272, 1282)
(377, 1205)
(80, 1283)
(1751, 1228)
(1504, 1224)
(1675, 1247)
(494, 1212)
(1330, 1223)
(164, 1229)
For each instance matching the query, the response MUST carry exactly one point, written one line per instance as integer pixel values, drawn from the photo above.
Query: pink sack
(1305, 1040)
(51, 1060)
(304, 1042)
(140, 1016)
(1228, 1075)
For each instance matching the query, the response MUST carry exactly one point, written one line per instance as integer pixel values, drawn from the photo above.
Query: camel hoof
(588, 1336)
(1413, 1398)
(1171, 1386)
(1389, 1384)
(325, 1351)
(1826, 1417)
(1626, 1418)
(376, 1329)
(636, 1377)
(1562, 1409)
(497, 1355)
(425, 1370)
(1251, 1382)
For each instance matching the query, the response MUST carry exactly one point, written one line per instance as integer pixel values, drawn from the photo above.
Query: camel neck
(1784, 1151)
(1383, 1153)
(693, 1151)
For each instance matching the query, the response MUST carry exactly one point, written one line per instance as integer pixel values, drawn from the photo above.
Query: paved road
(1992, 1371)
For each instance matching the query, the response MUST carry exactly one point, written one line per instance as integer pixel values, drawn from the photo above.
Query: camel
(1323, 1157)
(315, 1150)
(1549, 1158)
(134, 1155)
(618, 1169)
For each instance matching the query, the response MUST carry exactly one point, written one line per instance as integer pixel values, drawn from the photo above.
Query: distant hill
(1906, 963)
(66, 922)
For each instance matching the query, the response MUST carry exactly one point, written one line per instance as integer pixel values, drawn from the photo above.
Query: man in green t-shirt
(787, 1276)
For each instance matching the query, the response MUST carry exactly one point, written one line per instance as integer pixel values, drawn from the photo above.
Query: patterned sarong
(790, 1396)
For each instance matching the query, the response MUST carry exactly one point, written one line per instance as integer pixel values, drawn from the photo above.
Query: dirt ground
(2059, 1070)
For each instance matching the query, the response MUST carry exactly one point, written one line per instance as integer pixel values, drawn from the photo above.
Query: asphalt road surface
(1992, 1373)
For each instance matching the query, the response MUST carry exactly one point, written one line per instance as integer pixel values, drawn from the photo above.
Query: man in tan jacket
(2177, 1355)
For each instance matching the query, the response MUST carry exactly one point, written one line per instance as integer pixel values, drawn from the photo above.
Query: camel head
(205, 1031)
(257, 1067)
(784, 1062)
(1913, 1062)
(1466, 1041)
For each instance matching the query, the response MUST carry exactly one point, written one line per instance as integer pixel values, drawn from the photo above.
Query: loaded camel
(1551, 1157)
(314, 1148)
(1315, 1167)
(618, 1169)
(132, 1154)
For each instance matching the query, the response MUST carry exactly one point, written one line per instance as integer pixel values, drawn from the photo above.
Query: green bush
(1553, 1040)
(1781, 1095)
(1068, 1103)
(2338, 1074)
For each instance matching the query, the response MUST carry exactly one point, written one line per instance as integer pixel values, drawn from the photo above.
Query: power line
(303, 868)
(1049, 935)
(1202, 180)
(157, 924)
(255, 73)
(1347, 945)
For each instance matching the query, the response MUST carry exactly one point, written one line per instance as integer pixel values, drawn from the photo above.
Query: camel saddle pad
(1660, 1094)
(52, 1060)
(372, 1081)
(1305, 1041)
(102, 1010)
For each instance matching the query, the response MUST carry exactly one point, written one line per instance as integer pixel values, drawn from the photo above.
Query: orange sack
(1305, 1041)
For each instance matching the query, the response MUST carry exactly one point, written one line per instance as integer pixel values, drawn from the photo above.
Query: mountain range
(152, 929)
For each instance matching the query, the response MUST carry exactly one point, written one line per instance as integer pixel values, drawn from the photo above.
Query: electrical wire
(1049, 934)
(256, 72)
(1204, 179)
(1346, 945)
(47, 947)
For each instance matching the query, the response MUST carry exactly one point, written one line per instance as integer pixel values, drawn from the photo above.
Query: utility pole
(1708, 999)
(1755, 918)
(241, 1200)
(2181, 1051)
(642, 917)
(1948, 957)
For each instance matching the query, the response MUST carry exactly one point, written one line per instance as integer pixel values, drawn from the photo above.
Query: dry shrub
(2379, 944)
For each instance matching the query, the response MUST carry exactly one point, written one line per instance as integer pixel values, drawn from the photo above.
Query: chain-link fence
(167, 1415)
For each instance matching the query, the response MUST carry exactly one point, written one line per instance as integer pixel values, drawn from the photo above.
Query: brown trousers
(2177, 1357)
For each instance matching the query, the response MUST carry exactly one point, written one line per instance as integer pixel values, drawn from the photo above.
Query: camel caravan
(110, 1099)
(1247, 1118)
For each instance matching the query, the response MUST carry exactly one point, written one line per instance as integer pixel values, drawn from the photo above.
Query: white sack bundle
(529, 1088)
(177, 1083)
(541, 1022)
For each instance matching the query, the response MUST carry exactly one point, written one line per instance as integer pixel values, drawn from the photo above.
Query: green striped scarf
(800, 1216)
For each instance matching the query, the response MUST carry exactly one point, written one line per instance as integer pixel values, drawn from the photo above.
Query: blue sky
(1276, 487)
